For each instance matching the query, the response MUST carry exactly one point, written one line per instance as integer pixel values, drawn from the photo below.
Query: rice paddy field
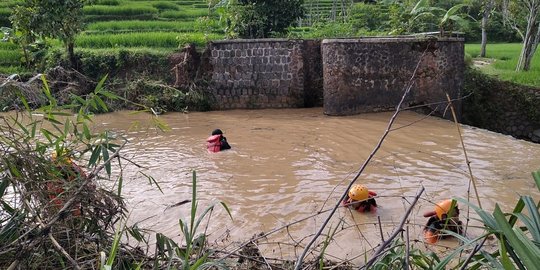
(161, 26)
(503, 60)
(139, 25)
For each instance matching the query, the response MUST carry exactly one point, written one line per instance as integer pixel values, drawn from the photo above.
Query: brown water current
(289, 164)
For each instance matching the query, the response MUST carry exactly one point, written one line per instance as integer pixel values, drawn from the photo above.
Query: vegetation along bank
(125, 54)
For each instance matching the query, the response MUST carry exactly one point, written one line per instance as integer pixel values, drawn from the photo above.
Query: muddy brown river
(286, 165)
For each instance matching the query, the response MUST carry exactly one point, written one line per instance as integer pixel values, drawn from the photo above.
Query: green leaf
(517, 209)
(452, 11)
(199, 262)
(152, 180)
(99, 86)
(419, 4)
(105, 153)
(114, 248)
(108, 94)
(3, 185)
(86, 131)
(505, 260)
(95, 156)
(536, 177)
(524, 254)
(101, 103)
(23, 100)
(48, 135)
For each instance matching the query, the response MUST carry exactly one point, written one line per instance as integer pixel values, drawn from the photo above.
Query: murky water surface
(289, 164)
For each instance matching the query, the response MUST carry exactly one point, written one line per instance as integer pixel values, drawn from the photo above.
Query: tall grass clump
(54, 213)
(193, 253)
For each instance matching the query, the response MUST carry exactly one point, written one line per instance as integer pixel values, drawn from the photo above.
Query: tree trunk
(531, 32)
(71, 54)
(532, 49)
(487, 10)
(334, 6)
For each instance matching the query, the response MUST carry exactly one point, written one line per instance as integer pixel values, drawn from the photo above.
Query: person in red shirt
(217, 142)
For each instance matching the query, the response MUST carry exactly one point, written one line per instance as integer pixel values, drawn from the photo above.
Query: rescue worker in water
(444, 217)
(65, 172)
(360, 199)
(217, 142)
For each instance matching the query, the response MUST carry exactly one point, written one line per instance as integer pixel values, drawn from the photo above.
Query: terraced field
(131, 25)
(158, 25)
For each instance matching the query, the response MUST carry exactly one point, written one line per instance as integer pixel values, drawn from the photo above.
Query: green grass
(10, 57)
(505, 60)
(150, 39)
(8, 46)
(119, 10)
(165, 5)
(184, 14)
(142, 26)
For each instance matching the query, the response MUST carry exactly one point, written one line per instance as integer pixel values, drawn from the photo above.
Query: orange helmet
(443, 207)
(358, 192)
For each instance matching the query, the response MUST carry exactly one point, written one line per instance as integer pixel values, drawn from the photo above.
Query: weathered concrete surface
(371, 74)
(265, 73)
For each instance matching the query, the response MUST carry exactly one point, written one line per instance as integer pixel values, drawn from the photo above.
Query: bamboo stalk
(464, 150)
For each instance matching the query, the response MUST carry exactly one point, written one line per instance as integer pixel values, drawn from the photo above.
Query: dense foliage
(261, 19)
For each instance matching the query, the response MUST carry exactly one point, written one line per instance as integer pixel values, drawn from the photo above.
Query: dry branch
(366, 162)
(398, 229)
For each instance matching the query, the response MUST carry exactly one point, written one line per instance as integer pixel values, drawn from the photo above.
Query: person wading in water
(360, 199)
(217, 142)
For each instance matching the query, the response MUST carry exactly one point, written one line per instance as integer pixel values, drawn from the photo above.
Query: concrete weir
(371, 74)
(346, 76)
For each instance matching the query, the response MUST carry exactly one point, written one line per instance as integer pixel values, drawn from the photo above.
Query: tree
(488, 6)
(524, 17)
(62, 19)
(446, 19)
(262, 18)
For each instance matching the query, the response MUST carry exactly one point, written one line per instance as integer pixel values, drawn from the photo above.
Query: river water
(286, 165)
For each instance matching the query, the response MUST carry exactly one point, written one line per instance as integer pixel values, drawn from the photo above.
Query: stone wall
(501, 106)
(265, 73)
(371, 74)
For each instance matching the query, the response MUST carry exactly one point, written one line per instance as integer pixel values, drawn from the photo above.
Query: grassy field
(162, 25)
(132, 25)
(504, 59)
